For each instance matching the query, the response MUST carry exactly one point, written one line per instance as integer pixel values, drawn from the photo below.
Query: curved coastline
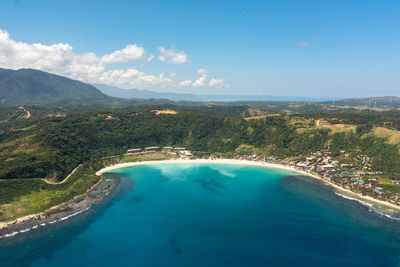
(348, 193)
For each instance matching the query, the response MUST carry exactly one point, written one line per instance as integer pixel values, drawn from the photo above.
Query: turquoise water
(215, 215)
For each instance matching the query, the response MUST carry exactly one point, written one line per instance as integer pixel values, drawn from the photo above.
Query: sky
(282, 48)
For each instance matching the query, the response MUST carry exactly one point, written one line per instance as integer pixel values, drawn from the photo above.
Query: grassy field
(304, 125)
(393, 136)
(38, 196)
(262, 116)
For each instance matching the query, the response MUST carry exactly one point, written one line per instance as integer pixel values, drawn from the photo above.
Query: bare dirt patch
(27, 115)
(165, 111)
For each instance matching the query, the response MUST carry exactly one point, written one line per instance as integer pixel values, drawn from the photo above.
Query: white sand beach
(339, 189)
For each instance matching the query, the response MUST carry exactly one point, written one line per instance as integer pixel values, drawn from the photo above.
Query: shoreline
(104, 186)
(61, 212)
(357, 196)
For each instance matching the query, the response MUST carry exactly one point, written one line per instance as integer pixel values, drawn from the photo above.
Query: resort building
(168, 149)
(134, 150)
(188, 154)
(152, 148)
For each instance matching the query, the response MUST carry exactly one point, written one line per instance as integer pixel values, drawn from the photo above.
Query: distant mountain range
(34, 87)
(147, 94)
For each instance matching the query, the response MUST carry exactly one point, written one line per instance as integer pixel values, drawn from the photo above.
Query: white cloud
(133, 78)
(200, 81)
(217, 83)
(172, 56)
(57, 58)
(185, 83)
(130, 52)
(88, 67)
(202, 71)
(150, 58)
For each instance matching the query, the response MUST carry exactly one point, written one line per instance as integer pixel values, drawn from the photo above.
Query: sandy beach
(339, 189)
(346, 192)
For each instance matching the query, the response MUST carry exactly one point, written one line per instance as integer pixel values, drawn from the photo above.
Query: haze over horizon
(307, 48)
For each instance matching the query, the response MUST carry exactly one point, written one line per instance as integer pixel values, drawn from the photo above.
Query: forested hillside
(51, 146)
(33, 87)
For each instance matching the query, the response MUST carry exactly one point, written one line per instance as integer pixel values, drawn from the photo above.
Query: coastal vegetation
(52, 142)
(20, 197)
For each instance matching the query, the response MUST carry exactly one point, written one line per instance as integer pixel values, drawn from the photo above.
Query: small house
(378, 190)
(328, 167)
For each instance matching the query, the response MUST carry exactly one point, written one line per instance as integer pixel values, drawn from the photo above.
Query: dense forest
(52, 142)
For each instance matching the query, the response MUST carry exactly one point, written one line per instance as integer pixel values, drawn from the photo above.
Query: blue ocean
(214, 215)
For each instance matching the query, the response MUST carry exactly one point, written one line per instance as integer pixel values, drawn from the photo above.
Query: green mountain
(34, 87)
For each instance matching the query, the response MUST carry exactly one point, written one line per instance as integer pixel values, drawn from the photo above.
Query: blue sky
(294, 48)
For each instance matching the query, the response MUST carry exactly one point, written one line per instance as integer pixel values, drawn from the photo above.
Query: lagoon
(199, 214)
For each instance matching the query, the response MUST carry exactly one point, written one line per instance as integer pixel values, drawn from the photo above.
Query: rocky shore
(62, 212)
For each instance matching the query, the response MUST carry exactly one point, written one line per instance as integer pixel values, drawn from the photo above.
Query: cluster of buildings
(181, 151)
(351, 171)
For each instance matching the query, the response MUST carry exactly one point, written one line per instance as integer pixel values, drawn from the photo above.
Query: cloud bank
(92, 68)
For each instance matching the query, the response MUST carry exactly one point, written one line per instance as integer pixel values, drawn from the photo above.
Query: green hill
(34, 87)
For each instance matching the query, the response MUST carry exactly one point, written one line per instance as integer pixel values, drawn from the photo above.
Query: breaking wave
(385, 212)
(42, 224)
